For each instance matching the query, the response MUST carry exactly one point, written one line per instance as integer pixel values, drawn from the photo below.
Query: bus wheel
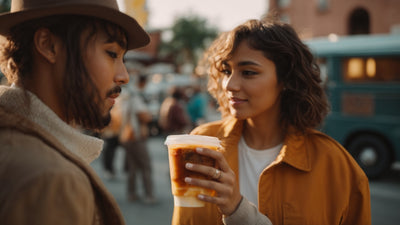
(371, 153)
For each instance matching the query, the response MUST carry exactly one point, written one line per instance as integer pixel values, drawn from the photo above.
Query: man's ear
(47, 44)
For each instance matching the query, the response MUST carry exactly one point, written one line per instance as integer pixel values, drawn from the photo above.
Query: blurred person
(276, 167)
(173, 117)
(64, 61)
(136, 116)
(110, 135)
(197, 107)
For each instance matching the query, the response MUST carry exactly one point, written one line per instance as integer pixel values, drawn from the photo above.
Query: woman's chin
(238, 115)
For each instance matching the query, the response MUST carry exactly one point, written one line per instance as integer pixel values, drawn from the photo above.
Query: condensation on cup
(181, 150)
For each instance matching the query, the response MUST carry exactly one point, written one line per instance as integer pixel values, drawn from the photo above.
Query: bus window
(368, 69)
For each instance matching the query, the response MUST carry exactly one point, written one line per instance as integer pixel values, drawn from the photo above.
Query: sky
(223, 14)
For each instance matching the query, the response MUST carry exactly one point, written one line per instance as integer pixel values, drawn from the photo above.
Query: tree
(5, 5)
(190, 35)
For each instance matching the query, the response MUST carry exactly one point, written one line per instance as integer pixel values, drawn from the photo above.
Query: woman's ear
(47, 44)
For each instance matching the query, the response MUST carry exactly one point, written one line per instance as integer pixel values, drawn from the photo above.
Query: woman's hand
(227, 196)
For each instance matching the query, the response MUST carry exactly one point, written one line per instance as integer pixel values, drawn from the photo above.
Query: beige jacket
(43, 182)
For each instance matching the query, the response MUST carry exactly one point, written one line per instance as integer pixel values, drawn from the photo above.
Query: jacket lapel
(230, 136)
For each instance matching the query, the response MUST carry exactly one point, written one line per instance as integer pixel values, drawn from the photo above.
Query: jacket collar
(294, 151)
(29, 106)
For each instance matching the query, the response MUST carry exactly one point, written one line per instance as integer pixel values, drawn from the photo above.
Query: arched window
(359, 21)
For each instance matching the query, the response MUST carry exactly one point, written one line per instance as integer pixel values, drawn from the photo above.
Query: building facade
(316, 18)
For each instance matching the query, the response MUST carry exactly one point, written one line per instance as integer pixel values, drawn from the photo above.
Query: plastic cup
(181, 150)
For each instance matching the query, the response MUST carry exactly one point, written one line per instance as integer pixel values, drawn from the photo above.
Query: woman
(276, 168)
(64, 61)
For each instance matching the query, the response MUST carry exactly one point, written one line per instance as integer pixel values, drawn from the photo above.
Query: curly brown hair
(81, 97)
(303, 100)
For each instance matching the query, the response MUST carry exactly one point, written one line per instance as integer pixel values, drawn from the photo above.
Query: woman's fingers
(223, 181)
(227, 196)
(209, 184)
(212, 199)
(222, 185)
(211, 172)
(218, 156)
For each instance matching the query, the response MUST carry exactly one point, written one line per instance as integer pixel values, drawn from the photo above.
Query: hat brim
(136, 36)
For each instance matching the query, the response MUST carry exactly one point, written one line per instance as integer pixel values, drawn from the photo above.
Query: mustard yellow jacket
(314, 180)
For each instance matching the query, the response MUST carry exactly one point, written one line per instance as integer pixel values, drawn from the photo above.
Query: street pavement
(139, 213)
(385, 198)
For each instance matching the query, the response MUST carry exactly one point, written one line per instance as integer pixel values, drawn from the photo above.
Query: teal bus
(361, 74)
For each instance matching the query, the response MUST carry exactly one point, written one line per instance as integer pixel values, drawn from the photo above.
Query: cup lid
(192, 139)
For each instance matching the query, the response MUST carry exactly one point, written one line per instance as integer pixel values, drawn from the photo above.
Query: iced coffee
(181, 150)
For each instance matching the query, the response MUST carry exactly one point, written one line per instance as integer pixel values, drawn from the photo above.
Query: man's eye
(112, 54)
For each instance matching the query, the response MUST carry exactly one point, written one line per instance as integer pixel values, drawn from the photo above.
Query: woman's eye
(112, 54)
(226, 72)
(248, 72)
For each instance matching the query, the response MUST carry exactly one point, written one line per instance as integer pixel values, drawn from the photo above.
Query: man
(64, 61)
(173, 117)
(110, 135)
(135, 114)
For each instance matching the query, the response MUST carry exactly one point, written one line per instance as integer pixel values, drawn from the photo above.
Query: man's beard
(106, 119)
(94, 115)
(97, 119)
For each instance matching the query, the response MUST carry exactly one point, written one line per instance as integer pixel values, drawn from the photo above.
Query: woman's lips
(236, 101)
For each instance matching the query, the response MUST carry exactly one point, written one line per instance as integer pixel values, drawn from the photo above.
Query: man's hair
(142, 78)
(177, 93)
(303, 101)
(80, 96)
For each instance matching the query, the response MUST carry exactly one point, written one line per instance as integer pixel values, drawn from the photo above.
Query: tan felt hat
(25, 10)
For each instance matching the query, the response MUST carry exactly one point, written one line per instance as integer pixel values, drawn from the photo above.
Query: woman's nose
(232, 82)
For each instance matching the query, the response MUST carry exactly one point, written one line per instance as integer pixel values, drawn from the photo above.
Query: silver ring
(217, 175)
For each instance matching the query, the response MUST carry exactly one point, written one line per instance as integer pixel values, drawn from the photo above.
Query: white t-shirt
(251, 163)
